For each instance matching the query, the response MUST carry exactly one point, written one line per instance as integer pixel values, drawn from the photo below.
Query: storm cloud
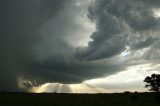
(20, 22)
(38, 38)
(121, 23)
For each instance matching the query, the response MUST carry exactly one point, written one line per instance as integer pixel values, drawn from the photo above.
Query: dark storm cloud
(33, 40)
(120, 23)
(22, 24)
(20, 21)
(152, 54)
(70, 72)
(146, 43)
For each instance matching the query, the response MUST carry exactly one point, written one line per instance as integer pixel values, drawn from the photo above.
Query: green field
(53, 99)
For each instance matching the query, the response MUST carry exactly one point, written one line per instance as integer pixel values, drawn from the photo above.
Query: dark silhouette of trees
(153, 82)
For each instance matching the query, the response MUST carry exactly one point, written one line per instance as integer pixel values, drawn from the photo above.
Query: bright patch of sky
(129, 80)
(156, 12)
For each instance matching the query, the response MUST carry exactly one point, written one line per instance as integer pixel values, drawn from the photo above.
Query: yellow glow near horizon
(114, 83)
(73, 88)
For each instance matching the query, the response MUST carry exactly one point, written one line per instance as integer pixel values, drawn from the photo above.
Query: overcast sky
(78, 46)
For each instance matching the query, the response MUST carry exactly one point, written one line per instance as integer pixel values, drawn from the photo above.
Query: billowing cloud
(56, 41)
(120, 23)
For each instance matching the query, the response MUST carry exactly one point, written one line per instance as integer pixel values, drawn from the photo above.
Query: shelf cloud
(38, 38)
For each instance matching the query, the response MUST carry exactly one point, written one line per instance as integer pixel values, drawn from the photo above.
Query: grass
(55, 99)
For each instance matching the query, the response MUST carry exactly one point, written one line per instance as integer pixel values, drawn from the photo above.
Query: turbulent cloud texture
(121, 23)
(38, 38)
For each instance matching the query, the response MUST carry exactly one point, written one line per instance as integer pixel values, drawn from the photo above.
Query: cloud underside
(38, 39)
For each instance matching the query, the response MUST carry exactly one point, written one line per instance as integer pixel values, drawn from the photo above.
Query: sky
(78, 46)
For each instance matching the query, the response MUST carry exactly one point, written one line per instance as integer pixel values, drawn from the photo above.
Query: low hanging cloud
(20, 22)
(37, 39)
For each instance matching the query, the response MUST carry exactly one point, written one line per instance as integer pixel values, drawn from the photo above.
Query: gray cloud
(20, 22)
(120, 23)
(146, 43)
(70, 72)
(36, 38)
